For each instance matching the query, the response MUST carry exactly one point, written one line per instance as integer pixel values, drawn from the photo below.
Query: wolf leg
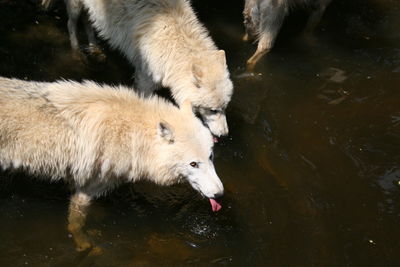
(144, 82)
(251, 19)
(74, 8)
(271, 19)
(93, 49)
(263, 47)
(89, 31)
(78, 207)
(245, 37)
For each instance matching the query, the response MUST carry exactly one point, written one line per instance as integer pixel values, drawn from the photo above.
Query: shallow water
(311, 167)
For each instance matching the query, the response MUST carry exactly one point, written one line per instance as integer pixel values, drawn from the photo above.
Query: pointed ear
(197, 75)
(187, 108)
(165, 131)
(221, 56)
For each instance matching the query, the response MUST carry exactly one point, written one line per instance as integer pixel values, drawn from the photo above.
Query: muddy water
(311, 167)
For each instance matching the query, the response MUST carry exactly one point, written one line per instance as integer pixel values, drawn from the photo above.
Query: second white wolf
(168, 47)
(96, 137)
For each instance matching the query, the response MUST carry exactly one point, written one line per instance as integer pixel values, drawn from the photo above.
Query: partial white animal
(168, 46)
(96, 137)
(263, 20)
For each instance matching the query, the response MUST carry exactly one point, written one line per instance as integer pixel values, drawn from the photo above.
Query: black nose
(218, 195)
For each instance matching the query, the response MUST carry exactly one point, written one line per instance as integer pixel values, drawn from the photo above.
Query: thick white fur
(168, 46)
(95, 137)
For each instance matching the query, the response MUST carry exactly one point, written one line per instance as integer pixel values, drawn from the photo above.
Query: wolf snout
(219, 127)
(217, 191)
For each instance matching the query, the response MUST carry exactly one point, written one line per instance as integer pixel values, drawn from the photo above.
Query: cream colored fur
(169, 47)
(96, 137)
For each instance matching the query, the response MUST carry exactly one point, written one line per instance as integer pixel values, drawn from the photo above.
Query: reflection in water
(311, 169)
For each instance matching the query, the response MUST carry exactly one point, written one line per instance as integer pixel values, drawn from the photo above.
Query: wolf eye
(214, 111)
(194, 164)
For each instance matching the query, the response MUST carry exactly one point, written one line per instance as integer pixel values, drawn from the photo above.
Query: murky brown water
(311, 168)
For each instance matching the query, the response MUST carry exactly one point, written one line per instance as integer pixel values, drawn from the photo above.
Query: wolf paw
(83, 245)
(95, 52)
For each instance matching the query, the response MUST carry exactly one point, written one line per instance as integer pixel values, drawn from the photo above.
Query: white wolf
(96, 137)
(264, 18)
(168, 46)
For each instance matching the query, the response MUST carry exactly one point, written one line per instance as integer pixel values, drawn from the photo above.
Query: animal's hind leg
(89, 31)
(78, 207)
(251, 19)
(245, 37)
(93, 48)
(263, 46)
(74, 8)
(270, 24)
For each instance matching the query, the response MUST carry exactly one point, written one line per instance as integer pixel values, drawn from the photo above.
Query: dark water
(311, 167)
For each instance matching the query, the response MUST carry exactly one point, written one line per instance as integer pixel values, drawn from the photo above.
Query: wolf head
(185, 150)
(209, 90)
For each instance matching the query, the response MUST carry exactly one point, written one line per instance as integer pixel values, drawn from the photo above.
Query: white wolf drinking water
(95, 137)
(168, 47)
(264, 18)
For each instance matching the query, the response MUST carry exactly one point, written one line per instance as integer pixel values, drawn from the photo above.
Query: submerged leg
(78, 207)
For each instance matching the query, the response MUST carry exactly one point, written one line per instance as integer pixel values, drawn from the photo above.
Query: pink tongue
(215, 206)
(215, 139)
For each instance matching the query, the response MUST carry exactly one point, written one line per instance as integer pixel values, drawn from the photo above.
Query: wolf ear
(197, 75)
(221, 56)
(164, 130)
